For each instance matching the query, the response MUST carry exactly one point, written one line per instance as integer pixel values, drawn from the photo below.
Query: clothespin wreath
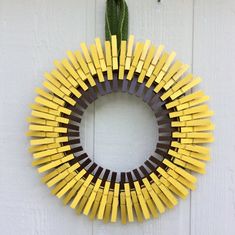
(155, 76)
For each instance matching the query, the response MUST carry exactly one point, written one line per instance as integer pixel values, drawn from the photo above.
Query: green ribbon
(116, 20)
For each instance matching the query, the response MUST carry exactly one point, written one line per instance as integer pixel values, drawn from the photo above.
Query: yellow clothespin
(63, 183)
(171, 187)
(103, 201)
(122, 60)
(164, 77)
(192, 123)
(155, 60)
(47, 103)
(55, 163)
(62, 175)
(142, 201)
(192, 103)
(39, 108)
(52, 151)
(61, 68)
(147, 63)
(161, 195)
(186, 88)
(75, 75)
(196, 140)
(85, 67)
(59, 93)
(137, 53)
(114, 52)
(189, 166)
(64, 80)
(47, 128)
(43, 115)
(165, 68)
(57, 84)
(85, 198)
(180, 171)
(54, 173)
(193, 148)
(197, 109)
(49, 96)
(149, 202)
(123, 207)
(67, 71)
(193, 135)
(160, 63)
(108, 207)
(195, 116)
(48, 159)
(101, 197)
(177, 76)
(130, 45)
(69, 82)
(164, 189)
(173, 181)
(88, 59)
(96, 204)
(143, 56)
(134, 198)
(34, 149)
(74, 185)
(198, 156)
(154, 196)
(136, 206)
(49, 117)
(198, 128)
(128, 202)
(81, 191)
(76, 66)
(108, 56)
(176, 89)
(115, 202)
(41, 134)
(181, 179)
(100, 54)
(43, 122)
(95, 57)
(92, 197)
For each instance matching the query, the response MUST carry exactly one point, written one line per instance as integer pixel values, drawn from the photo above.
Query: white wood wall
(34, 32)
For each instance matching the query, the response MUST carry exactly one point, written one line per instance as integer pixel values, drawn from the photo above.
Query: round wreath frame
(164, 84)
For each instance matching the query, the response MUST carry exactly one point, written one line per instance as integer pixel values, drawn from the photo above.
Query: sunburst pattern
(182, 115)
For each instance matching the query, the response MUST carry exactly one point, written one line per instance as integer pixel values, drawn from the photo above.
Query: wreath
(140, 69)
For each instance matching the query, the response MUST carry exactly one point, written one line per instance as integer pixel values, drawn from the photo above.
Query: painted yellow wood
(97, 63)
(92, 197)
(147, 62)
(114, 52)
(100, 214)
(130, 46)
(49, 128)
(129, 203)
(100, 54)
(108, 56)
(122, 60)
(85, 67)
(137, 53)
(115, 202)
(143, 56)
(81, 191)
(88, 59)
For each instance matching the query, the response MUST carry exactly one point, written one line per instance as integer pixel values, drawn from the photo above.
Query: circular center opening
(119, 131)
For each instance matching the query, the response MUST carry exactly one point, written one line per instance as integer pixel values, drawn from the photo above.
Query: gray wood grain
(213, 203)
